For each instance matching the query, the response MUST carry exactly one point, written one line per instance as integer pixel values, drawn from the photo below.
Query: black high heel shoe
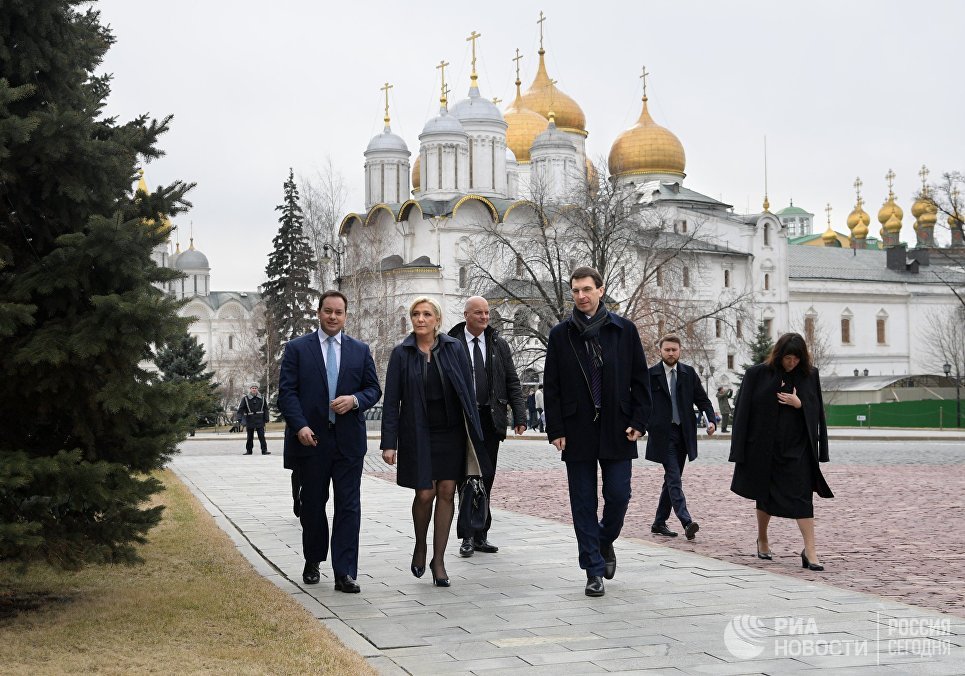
(437, 581)
(807, 564)
(763, 555)
(418, 571)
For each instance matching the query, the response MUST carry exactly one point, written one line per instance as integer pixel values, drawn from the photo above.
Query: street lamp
(333, 253)
(947, 368)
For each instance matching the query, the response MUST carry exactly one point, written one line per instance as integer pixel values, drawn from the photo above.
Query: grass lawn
(195, 606)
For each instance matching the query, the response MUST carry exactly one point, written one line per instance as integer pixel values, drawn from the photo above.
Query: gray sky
(840, 89)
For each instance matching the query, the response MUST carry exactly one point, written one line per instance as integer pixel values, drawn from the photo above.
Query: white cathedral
(477, 164)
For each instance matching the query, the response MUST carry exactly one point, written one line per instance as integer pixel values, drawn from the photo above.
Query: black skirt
(447, 427)
(791, 486)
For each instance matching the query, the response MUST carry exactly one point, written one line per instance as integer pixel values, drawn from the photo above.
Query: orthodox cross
(923, 173)
(540, 22)
(890, 177)
(643, 76)
(517, 59)
(472, 38)
(385, 88)
(827, 210)
(442, 67)
(497, 100)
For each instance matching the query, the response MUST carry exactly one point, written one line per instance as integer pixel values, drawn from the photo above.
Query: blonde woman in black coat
(779, 437)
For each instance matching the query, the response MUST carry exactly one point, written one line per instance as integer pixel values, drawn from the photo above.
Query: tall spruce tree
(760, 348)
(182, 360)
(288, 294)
(83, 422)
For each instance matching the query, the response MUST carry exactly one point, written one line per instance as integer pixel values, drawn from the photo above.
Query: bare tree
(944, 331)
(947, 196)
(323, 199)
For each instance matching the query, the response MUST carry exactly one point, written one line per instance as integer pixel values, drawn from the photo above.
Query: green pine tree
(287, 293)
(182, 360)
(80, 305)
(760, 348)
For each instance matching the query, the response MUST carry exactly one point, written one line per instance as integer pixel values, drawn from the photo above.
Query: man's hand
(306, 437)
(711, 428)
(560, 444)
(520, 429)
(389, 456)
(632, 434)
(344, 404)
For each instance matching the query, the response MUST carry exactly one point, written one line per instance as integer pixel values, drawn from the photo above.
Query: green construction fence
(936, 413)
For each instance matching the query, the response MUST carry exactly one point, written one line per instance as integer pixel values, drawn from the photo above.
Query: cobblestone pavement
(896, 527)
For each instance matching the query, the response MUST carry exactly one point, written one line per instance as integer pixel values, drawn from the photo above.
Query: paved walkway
(523, 610)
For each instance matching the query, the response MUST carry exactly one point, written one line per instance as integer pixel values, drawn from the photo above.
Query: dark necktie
(673, 397)
(596, 379)
(479, 374)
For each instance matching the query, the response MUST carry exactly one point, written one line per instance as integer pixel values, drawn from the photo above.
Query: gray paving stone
(523, 611)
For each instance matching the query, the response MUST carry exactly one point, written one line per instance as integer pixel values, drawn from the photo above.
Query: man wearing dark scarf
(597, 399)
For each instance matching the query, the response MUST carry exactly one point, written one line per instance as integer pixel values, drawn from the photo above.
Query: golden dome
(930, 216)
(543, 96)
(860, 231)
(858, 216)
(919, 207)
(417, 174)
(647, 148)
(829, 236)
(524, 126)
(888, 208)
(893, 224)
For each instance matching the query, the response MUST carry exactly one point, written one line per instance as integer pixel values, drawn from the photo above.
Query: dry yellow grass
(195, 606)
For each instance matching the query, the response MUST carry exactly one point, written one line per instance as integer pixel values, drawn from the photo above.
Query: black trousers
(672, 493)
(261, 439)
(491, 442)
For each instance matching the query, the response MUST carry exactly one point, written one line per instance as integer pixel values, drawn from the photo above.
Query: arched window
(231, 342)
(686, 277)
(767, 234)
(846, 337)
(739, 325)
(659, 276)
(809, 324)
(463, 276)
(767, 281)
(718, 328)
(881, 327)
(726, 279)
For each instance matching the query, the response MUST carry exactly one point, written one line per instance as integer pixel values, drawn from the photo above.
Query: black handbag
(473, 507)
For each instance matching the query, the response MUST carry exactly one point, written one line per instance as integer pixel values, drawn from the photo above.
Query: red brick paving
(897, 532)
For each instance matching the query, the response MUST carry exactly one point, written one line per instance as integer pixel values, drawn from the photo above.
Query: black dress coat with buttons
(754, 431)
(568, 400)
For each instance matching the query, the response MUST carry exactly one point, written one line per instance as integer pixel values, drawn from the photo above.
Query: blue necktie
(675, 412)
(331, 368)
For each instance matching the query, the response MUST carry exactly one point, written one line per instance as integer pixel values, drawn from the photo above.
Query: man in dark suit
(597, 405)
(327, 382)
(676, 389)
(497, 385)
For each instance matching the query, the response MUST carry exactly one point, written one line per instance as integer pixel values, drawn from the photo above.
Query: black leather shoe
(594, 586)
(345, 583)
(310, 575)
(437, 581)
(484, 546)
(247, 453)
(810, 566)
(609, 559)
(266, 452)
(690, 530)
(763, 555)
(662, 530)
(466, 548)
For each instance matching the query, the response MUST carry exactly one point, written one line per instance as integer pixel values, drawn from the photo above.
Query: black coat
(504, 387)
(690, 393)
(252, 411)
(569, 402)
(755, 428)
(405, 422)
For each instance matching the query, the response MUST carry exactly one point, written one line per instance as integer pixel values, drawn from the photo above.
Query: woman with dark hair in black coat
(779, 436)
(430, 427)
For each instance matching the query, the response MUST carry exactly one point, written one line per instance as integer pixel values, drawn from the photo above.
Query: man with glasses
(597, 398)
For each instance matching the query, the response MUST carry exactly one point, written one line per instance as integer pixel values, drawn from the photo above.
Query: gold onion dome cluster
(543, 96)
(924, 211)
(647, 148)
(858, 221)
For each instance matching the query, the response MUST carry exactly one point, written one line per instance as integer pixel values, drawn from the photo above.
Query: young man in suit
(327, 382)
(676, 389)
(597, 406)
